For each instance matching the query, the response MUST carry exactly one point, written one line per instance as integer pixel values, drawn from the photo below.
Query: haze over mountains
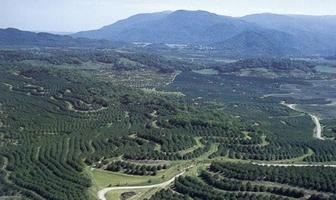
(253, 35)
(12, 37)
(259, 33)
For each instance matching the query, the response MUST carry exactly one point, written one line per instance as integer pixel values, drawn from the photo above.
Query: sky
(78, 15)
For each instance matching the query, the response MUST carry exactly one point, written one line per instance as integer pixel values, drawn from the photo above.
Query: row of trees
(318, 178)
(198, 190)
(131, 168)
(236, 185)
(45, 142)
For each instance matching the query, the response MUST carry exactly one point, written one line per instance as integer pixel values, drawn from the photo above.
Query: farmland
(75, 122)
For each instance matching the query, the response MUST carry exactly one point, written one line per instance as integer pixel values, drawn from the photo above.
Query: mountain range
(252, 35)
(12, 37)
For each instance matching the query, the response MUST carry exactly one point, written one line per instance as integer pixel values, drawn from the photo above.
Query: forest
(61, 124)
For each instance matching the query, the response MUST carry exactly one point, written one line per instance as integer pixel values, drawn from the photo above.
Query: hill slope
(260, 43)
(171, 27)
(313, 31)
(15, 37)
(273, 34)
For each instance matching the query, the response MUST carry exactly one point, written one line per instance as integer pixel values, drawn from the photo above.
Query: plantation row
(169, 142)
(48, 171)
(316, 178)
(49, 141)
(235, 185)
(217, 185)
(197, 189)
(269, 152)
(135, 169)
(109, 59)
(289, 134)
(55, 121)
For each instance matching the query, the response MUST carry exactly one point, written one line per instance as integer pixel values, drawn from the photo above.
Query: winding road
(318, 127)
(102, 193)
(317, 133)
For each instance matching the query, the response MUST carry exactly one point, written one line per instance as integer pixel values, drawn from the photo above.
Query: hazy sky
(76, 15)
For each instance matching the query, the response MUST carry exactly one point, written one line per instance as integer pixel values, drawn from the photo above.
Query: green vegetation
(304, 177)
(105, 178)
(135, 169)
(68, 128)
(135, 194)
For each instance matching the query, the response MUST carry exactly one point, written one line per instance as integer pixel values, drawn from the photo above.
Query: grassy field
(104, 178)
(198, 145)
(213, 149)
(201, 163)
(140, 194)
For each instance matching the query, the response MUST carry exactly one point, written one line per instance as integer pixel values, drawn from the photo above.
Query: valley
(109, 131)
(171, 105)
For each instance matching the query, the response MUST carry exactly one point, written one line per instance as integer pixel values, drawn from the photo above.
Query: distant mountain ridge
(263, 34)
(313, 32)
(171, 27)
(259, 44)
(14, 37)
(251, 35)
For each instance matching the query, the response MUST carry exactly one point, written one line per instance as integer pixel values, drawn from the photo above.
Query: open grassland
(103, 178)
(139, 194)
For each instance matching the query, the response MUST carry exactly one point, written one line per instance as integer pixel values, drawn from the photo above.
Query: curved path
(102, 193)
(318, 127)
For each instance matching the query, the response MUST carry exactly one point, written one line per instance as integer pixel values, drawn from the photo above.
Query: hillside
(76, 122)
(313, 31)
(14, 37)
(260, 43)
(275, 35)
(295, 23)
(270, 68)
(171, 27)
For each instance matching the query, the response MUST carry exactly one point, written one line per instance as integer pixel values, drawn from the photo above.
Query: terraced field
(68, 133)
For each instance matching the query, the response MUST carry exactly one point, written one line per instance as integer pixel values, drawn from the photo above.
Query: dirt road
(102, 193)
(318, 127)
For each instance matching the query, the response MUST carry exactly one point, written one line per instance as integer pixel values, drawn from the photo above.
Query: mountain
(260, 43)
(15, 37)
(313, 31)
(250, 35)
(325, 25)
(171, 27)
(253, 35)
